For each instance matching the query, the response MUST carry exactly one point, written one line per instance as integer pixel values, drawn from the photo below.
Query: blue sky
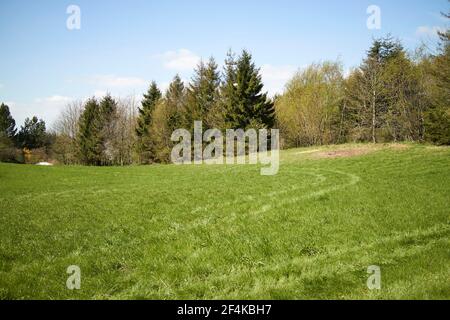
(123, 45)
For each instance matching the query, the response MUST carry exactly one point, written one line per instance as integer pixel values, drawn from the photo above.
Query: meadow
(226, 232)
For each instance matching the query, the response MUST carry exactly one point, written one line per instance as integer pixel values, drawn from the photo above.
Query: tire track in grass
(202, 220)
(354, 179)
(339, 262)
(359, 257)
(320, 178)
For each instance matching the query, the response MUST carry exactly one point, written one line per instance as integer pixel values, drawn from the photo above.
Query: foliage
(144, 144)
(308, 110)
(168, 116)
(89, 133)
(7, 122)
(32, 134)
(244, 100)
(202, 95)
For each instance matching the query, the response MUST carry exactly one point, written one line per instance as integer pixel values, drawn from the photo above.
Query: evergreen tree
(32, 134)
(437, 120)
(228, 92)
(149, 102)
(107, 126)
(202, 94)
(168, 116)
(7, 122)
(175, 103)
(7, 135)
(245, 103)
(89, 133)
(369, 96)
(144, 122)
(383, 49)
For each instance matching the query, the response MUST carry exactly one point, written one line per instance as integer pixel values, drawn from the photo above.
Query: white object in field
(44, 164)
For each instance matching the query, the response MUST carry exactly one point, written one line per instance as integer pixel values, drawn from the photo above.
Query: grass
(226, 232)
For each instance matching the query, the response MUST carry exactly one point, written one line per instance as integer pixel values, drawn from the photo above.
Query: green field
(219, 232)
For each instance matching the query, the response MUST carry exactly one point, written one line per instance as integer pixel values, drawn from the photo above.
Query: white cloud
(276, 77)
(47, 108)
(109, 81)
(179, 60)
(55, 99)
(428, 31)
(100, 93)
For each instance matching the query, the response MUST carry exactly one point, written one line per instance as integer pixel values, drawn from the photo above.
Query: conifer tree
(89, 133)
(246, 105)
(437, 120)
(144, 122)
(32, 134)
(7, 122)
(168, 116)
(228, 91)
(202, 94)
(149, 102)
(107, 126)
(175, 103)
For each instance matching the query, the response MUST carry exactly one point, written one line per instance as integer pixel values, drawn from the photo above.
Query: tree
(107, 129)
(203, 94)
(404, 96)
(175, 102)
(125, 138)
(168, 116)
(144, 121)
(7, 135)
(32, 134)
(7, 122)
(437, 118)
(243, 100)
(308, 111)
(66, 128)
(89, 131)
(367, 91)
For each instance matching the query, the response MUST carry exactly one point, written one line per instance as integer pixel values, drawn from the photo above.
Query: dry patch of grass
(343, 153)
(398, 146)
(347, 151)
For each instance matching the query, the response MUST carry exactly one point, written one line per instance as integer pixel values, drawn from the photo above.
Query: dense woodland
(392, 96)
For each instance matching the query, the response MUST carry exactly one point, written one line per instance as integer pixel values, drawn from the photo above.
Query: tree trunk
(374, 140)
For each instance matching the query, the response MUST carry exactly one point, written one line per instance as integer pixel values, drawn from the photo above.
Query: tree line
(391, 96)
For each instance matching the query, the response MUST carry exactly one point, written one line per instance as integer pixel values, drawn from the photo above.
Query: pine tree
(168, 116)
(175, 103)
(89, 141)
(245, 103)
(149, 102)
(144, 122)
(437, 120)
(32, 134)
(107, 126)
(7, 135)
(7, 122)
(370, 97)
(228, 92)
(202, 94)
